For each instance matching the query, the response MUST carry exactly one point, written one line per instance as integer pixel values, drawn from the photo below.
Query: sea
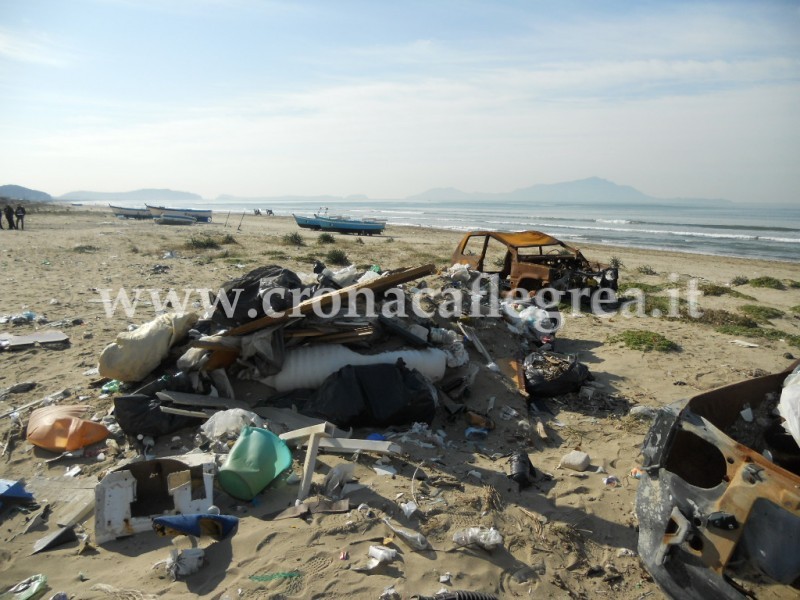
(740, 230)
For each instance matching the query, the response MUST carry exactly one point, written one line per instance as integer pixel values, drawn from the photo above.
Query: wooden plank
(308, 466)
(346, 446)
(15, 342)
(304, 433)
(186, 399)
(292, 420)
(186, 413)
(71, 498)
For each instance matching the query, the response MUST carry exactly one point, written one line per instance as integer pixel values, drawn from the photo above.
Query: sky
(389, 99)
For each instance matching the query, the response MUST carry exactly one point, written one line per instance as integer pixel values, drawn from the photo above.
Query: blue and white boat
(321, 221)
(201, 215)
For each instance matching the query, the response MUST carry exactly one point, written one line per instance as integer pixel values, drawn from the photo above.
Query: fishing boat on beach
(201, 215)
(322, 221)
(130, 213)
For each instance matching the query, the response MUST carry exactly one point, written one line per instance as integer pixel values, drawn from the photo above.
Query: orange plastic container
(61, 428)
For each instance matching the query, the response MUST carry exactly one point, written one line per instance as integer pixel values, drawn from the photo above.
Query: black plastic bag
(254, 286)
(373, 396)
(140, 414)
(552, 374)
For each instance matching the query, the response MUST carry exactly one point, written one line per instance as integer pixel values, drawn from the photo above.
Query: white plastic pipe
(308, 366)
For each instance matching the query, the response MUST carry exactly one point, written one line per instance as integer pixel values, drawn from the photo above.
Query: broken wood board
(346, 446)
(292, 420)
(17, 342)
(309, 464)
(71, 499)
(199, 400)
(304, 433)
(185, 413)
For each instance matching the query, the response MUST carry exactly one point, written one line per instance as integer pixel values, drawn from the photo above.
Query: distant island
(144, 195)
(582, 191)
(17, 192)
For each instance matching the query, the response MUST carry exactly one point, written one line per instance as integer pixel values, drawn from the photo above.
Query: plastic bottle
(440, 335)
(413, 538)
(488, 539)
(112, 387)
(522, 470)
(382, 554)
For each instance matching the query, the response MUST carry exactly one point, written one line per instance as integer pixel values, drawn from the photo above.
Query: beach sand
(556, 533)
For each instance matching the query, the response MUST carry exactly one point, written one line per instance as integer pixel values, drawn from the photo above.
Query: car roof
(521, 239)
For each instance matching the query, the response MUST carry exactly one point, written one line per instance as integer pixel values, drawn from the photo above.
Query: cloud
(32, 47)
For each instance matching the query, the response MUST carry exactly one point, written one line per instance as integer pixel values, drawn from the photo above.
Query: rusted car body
(719, 503)
(531, 260)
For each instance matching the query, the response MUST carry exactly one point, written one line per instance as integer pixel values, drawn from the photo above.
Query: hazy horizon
(272, 98)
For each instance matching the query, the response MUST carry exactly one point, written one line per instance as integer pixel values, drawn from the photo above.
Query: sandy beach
(569, 535)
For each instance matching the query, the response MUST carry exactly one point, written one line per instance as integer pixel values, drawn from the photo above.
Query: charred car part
(532, 260)
(715, 515)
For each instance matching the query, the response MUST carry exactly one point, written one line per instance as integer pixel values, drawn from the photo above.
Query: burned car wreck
(531, 260)
(719, 501)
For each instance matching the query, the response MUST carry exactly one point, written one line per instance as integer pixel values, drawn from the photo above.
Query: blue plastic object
(216, 526)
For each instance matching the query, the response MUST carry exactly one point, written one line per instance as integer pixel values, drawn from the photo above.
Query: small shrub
(719, 317)
(792, 283)
(133, 249)
(739, 280)
(326, 238)
(337, 256)
(638, 339)
(360, 241)
(647, 270)
(276, 254)
(713, 289)
(293, 239)
(389, 240)
(795, 309)
(615, 262)
(228, 239)
(203, 242)
(761, 313)
(85, 249)
(767, 282)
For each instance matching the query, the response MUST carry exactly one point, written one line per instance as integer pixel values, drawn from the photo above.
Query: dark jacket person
(20, 214)
(9, 213)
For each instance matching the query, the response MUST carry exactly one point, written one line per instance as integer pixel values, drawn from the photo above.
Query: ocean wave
(631, 231)
(779, 239)
(615, 221)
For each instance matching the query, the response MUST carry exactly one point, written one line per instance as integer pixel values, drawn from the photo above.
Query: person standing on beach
(9, 213)
(20, 214)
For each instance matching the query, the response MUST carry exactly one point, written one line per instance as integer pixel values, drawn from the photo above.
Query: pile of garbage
(283, 366)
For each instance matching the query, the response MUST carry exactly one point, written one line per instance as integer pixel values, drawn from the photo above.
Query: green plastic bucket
(257, 457)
